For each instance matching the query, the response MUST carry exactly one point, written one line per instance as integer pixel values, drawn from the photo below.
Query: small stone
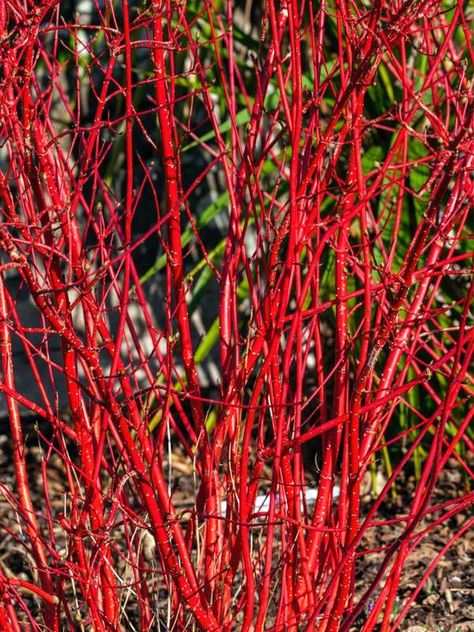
(455, 581)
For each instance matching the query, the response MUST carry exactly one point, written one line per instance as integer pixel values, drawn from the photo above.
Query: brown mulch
(445, 604)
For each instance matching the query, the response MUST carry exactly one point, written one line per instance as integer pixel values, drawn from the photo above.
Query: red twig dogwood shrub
(235, 245)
